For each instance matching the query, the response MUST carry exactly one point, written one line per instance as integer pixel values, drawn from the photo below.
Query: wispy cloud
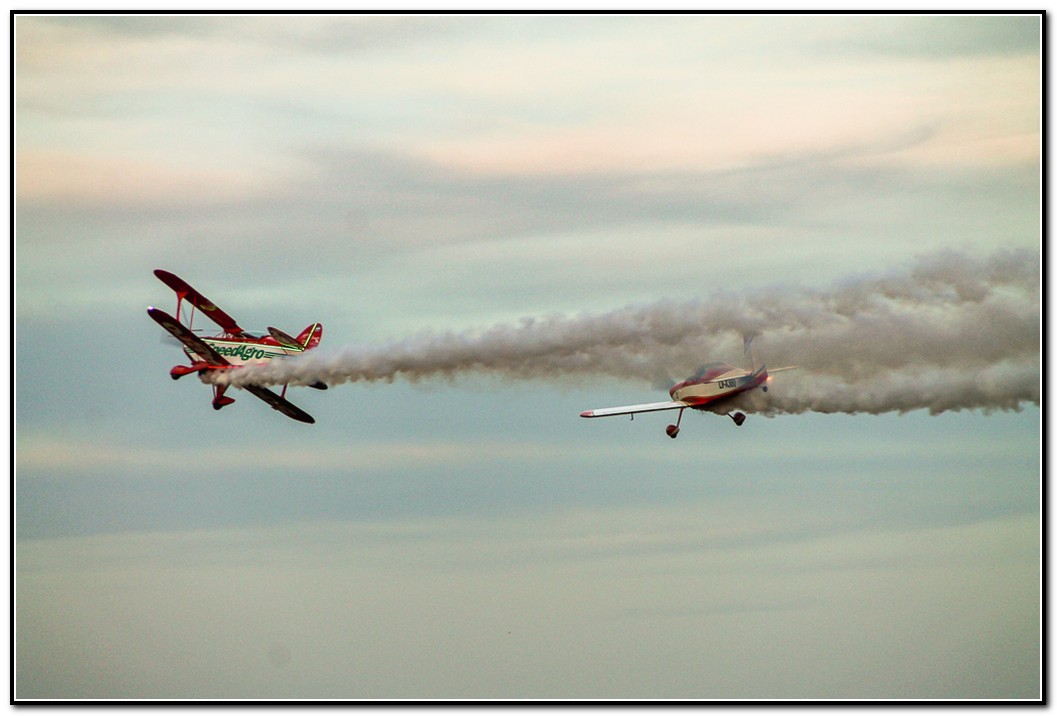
(46, 454)
(395, 137)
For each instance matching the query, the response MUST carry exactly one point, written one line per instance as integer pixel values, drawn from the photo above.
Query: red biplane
(233, 348)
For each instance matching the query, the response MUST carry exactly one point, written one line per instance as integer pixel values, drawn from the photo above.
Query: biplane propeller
(233, 348)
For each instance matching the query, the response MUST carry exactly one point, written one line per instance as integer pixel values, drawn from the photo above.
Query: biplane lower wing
(182, 334)
(205, 351)
(279, 403)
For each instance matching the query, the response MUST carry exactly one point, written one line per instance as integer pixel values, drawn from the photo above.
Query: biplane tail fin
(311, 336)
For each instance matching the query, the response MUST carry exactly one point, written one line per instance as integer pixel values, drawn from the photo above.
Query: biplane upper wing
(279, 403)
(185, 291)
(184, 335)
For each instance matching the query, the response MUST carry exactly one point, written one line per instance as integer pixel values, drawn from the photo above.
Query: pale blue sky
(474, 537)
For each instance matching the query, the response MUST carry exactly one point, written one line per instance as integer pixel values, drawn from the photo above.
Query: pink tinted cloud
(56, 176)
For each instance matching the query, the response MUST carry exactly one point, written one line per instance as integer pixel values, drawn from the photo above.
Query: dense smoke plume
(950, 332)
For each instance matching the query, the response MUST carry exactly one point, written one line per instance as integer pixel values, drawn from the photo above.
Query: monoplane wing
(279, 403)
(184, 291)
(632, 409)
(184, 335)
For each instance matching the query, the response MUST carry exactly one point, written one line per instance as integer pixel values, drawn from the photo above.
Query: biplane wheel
(221, 402)
(673, 431)
(738, 418)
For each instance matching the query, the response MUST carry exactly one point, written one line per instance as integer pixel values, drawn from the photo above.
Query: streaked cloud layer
(632, 603)
(767, 131)
(395, 176)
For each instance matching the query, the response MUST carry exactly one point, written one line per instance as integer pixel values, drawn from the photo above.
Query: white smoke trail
(950, 332)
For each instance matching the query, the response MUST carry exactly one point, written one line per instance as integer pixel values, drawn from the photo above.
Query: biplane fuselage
(249, 350)
(232, 349)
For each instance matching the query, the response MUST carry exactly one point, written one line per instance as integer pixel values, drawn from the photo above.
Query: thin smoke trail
(950, 332)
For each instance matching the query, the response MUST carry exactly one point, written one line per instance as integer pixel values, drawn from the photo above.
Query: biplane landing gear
(673, 430)
(219, 399)
(738, 418)
(179, 371)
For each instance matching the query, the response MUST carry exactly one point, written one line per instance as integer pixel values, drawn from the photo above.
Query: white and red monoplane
(707, 389)
(233, 348)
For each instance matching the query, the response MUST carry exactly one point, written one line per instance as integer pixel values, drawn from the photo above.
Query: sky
(864, 191)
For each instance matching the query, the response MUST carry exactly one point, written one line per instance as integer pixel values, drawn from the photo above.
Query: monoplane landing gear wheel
(673, 430)
(738, 418)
